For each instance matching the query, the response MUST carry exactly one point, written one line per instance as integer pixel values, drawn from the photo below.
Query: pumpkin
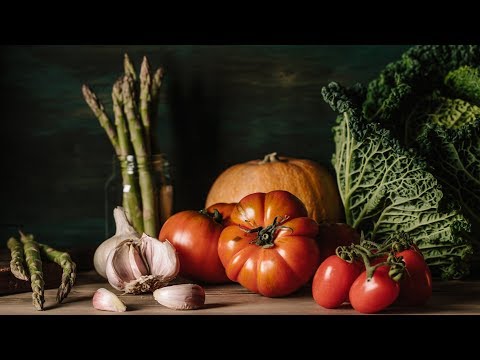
(312, 183)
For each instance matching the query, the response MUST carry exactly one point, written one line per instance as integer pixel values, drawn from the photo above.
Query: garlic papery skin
(107, 301)
(181, 297)
(124, 231)
(143, 265)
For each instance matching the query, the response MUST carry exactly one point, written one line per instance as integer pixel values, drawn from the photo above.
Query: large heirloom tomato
(194, 234)
(270, 249)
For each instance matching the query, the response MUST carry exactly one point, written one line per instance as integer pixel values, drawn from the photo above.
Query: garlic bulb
(124, 231)
(108, 301)
(181, 297)
(143, 265)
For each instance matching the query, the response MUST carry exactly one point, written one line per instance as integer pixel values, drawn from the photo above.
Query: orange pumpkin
(306, 179)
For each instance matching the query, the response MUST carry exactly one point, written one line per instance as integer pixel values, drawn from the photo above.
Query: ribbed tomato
(270, 249)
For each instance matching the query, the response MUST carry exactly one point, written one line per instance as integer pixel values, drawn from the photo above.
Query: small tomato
(416, 283)
(375, 294)
(332, 281)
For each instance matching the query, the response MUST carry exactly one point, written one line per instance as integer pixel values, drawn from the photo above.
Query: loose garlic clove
(181, 297)
(107, 301)
(143, 265)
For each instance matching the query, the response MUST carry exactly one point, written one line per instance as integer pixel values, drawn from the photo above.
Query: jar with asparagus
(135, 101)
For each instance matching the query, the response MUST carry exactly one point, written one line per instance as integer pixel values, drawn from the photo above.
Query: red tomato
(225, 209)
(195, 237)
(330, 236)
(416, 283)
(271, 248)
(333, 280)
(375, 294)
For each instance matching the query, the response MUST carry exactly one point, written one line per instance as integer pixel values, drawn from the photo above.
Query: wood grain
(449, 298)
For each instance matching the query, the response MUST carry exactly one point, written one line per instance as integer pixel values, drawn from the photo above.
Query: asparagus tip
(159, 74)
(86, 91)
(145, 68)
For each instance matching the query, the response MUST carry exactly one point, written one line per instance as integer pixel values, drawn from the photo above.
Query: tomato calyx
(216, 216)
(266, 235)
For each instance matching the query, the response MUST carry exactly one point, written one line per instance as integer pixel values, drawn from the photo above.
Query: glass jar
(162, 176)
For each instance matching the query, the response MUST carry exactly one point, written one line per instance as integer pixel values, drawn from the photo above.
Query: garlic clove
(181, 297)
(136, 261)
(112, 276)
(107, 301)
(124, 231)
(161, 256)
(119, 268)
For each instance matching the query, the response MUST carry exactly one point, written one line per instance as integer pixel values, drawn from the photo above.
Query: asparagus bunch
(135, 103)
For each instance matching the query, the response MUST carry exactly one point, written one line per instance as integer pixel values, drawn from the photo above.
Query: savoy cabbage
(430, 100)
(386, 188)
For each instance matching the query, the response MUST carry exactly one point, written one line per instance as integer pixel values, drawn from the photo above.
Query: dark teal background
(220, 105)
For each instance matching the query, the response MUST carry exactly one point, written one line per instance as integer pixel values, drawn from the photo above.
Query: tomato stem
(266, 235)
(216, 216)
(396, 264)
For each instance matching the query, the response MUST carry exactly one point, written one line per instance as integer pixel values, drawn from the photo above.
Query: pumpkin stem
(266, 236)
(269, 158)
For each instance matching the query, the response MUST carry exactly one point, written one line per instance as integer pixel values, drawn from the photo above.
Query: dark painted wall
(220, 105)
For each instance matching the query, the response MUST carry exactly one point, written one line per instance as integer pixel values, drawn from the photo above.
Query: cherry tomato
(373, 295)
(332, 281)
(416, 283)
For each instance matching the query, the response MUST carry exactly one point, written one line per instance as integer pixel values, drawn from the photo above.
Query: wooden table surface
(453, 297)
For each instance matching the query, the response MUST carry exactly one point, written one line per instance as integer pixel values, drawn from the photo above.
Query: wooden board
(454, 297)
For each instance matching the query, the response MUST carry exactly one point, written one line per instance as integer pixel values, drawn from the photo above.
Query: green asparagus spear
(147, 186)
(18, 259)
(68, 266)
(154, 101)
(155, 90)
(34, 263)
(145, 100)
(131, 196)
(99, 111)
(129, 68)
